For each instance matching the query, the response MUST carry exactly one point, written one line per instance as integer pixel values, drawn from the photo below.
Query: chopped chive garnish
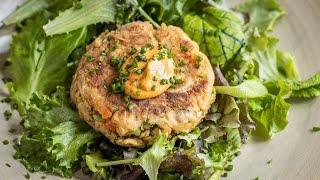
(133, 50)
(5, 142)
(7, 114)
(27, 176)
(88, 57)
(164, 81)
(315, 129)
(116, 44)
(97, 117)
(198, 61)
(269, 161)
(139, 71)
(184, 48)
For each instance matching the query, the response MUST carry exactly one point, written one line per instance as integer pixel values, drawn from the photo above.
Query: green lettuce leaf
(32, 7)
(39, 64)
(190, 137)
(270, 112)
(53, 142)
(221, 153)
(218, 33)
(55, 150)
(149, 160)
(272, 63)
(263, 14)
(247, 89)
(82, 14)
(92, 160)
(170, 12)
(305, 89)
(26, 10)
(45, 111)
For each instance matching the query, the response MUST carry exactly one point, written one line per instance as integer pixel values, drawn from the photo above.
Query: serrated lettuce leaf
(53, 143)
(306, 89)
(221, 153)
(270, 112)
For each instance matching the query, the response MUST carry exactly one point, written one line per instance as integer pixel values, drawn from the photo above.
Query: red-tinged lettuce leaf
(218, 33)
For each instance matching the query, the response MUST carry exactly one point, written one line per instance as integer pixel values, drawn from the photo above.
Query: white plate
(295, 152)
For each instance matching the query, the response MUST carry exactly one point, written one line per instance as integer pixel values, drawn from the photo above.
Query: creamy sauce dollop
(149, 73)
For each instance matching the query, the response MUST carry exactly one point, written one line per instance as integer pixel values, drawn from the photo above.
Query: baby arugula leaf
(82, 14)
(218, 33)
(39, 63)
(263, 14)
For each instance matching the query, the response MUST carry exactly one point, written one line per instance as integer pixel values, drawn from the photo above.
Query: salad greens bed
(254, 80)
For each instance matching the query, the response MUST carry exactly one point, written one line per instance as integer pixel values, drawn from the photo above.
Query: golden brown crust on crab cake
(177, 110)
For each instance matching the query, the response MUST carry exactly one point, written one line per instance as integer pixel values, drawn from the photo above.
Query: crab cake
(137, 81)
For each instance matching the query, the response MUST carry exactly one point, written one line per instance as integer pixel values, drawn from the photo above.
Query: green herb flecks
(128, 102)
(133, 50)
(118, 83)
(141, 57)
(27, 176)
(164, 81)
(184, 48)
(269, 161)
(198, 61)
(5, 142)
(139, 71)
(7, 114)
(315, 129)
(116, 44)
(97, 117)
(88, 57)
(175, 80)
(116, 63)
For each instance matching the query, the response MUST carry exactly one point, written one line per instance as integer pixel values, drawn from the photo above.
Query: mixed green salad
(254, 80)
